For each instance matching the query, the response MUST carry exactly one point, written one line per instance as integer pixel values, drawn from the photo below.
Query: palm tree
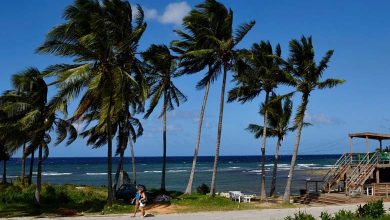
(308, 77)
(102, 37)
(215, 47)
(192, 40)
(162, 68)
(279, 114)
(29, 100)
(259, 70)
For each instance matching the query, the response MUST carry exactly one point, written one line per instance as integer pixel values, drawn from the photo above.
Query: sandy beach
(265, 214)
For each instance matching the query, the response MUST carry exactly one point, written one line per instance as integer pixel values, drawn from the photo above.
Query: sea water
(241, 173)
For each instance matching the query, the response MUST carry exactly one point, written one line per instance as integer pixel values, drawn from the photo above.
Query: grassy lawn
(198, 203)
(64, 200)
(70, 200)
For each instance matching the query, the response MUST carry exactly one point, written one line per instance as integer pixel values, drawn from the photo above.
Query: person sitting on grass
(140, 201)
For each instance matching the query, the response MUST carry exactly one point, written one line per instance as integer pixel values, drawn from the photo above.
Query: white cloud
(174, 13)
(150, 13)
(320, 119)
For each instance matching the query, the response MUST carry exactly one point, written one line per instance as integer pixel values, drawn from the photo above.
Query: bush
(344, 215)
(372, 209)
(326, 216)
(300, 216)
(203, 189)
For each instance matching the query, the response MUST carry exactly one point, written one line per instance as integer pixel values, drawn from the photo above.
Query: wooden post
(350, 148)
(367, 148)
(307, 190)
(387, 191)
(377, 176)
(380, 145)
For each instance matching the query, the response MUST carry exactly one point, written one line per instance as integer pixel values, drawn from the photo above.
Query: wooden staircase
(334, 175)
(361, 173)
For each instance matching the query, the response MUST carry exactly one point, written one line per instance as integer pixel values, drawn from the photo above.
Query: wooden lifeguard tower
(361, 173)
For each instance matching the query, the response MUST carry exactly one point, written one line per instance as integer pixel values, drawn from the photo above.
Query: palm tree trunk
(4, 171)
(195, 158)
(133, 162)
(275, 168)
(39, 177)
(31, 168)
(164, 145)
(23, 164)
(287, 191)
(263, 195)
(216, 157)
(110, 196)
(118, 169)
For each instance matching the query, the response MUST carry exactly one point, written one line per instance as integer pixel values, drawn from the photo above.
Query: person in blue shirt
(136, 200)
(140, 201)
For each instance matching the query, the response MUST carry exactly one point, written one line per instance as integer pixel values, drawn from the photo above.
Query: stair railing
(334, 173)
(360, 173)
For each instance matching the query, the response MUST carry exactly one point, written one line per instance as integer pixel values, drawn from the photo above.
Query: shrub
(372, 209)
(326, 216)
(300, 216)
(203, 189)
(344, 215)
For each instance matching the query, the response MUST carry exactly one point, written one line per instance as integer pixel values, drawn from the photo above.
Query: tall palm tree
(279, 114)
(162, 68)
(216, 41)
(308, 77)
(29, 98)
(192, 40)
(102, 37)
(259, 71)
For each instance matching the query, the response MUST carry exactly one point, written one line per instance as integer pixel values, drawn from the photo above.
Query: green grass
(198, 203)
(68, 200)
(65, 200)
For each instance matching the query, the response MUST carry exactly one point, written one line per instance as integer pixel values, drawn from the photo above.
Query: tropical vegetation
(115, 83)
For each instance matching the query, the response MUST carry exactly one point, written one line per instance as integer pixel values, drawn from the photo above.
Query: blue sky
(358, 31)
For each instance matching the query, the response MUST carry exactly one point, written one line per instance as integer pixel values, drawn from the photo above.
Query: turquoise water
(234, 173)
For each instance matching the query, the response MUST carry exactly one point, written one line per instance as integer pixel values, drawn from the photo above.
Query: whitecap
(176, 171)
(96, 174)
(55, 174)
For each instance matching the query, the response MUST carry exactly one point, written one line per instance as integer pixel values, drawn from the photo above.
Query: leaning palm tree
(192, 40)
(279, 114)
(308, 77)
(29, 99)
(215, 47)
(102, 37)
(258, 71)
(162, 68)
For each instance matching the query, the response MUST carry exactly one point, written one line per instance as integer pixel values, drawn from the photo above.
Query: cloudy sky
(358, 31)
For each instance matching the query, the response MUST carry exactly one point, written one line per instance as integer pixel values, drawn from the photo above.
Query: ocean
(234, 173)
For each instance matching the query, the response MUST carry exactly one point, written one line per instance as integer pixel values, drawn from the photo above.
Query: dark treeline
(117, 84)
